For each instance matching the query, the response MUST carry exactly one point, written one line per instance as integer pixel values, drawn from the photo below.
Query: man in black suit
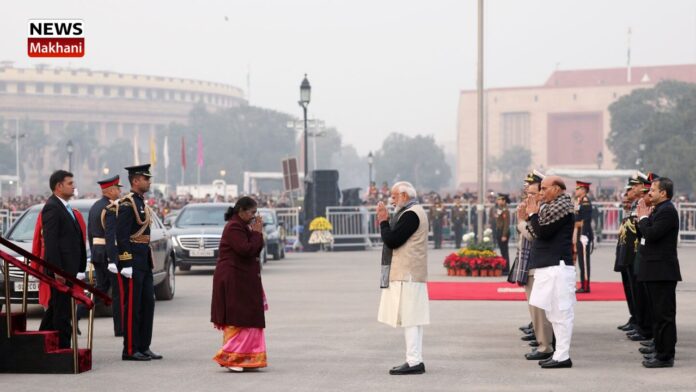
(659, 268)
(65, 248)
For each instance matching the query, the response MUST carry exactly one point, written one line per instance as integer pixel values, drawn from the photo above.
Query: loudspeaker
(351, 197)
(322, 192)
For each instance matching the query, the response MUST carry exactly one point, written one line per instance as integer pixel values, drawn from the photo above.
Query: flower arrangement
(321, 231)
(475, 259)
(320, 223)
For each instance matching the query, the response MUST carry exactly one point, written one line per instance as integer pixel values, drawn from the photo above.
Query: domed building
(112, 106)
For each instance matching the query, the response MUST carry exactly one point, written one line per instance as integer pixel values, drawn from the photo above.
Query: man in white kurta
(404, 303)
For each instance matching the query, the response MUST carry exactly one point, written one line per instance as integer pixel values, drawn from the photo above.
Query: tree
(416, 159)
(512, 165)
(663, 119)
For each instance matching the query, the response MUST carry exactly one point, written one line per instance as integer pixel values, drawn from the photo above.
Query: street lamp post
(305, 95)
(639, 161)
(370, 162)
(16, 138)
(600, 160)
(70, 148)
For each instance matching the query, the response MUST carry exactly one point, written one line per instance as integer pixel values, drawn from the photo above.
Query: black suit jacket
(552, 242)
(62, 235)
(658, 247)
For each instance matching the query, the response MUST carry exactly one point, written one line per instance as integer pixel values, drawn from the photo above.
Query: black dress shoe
(405, 369)
(621, 327)
(528, 331)
(638, 338)
(628, 327)
(528, 338)
(536, 356)
(650, 343)
(656, 363)
(528, 326)
(553, 364)
(646, 350)
(137, 356)
(543, 361)
(534, 343)
(152, 355)
(578, 291)
(649, 356)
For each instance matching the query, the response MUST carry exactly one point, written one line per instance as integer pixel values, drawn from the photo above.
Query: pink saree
(242, 346)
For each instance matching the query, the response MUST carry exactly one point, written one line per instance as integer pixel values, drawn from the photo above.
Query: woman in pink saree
(239, 302)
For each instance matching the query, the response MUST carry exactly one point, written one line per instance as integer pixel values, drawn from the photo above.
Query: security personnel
(583, 238)
(437, 216)
(458, 219)
(101, 235)
(135, 265)
(502, 227)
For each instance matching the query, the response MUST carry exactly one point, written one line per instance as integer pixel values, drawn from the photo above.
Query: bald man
(551, 223)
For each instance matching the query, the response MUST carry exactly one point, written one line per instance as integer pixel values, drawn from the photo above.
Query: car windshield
(23, 230)
(267, 217)
(207, 216)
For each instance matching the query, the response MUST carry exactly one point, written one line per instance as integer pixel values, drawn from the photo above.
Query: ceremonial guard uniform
(101, 234)
(458, 219)
(437, 215)
(133, 237)
(626, 248)
(584, 237)
(502, 228)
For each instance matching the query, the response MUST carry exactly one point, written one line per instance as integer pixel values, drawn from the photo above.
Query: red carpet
(503, 291)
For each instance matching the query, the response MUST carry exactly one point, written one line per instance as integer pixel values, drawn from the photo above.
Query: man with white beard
(404, 301)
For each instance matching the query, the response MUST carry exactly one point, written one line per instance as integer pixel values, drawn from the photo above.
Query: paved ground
(323, 335)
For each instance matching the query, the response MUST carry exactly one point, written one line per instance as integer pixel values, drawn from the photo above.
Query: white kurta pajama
(554, 291)
(405, 302)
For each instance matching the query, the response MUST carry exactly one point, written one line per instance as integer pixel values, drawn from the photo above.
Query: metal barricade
(4, 221)
(290, 219)
(351, 225)
(606, 221)
(687, 222)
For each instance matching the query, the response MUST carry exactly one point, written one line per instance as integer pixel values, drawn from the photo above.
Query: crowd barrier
(358, 225)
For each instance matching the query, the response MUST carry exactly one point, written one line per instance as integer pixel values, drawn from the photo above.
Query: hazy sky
(375, 66)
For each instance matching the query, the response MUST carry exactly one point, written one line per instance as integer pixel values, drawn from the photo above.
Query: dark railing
(76, 289)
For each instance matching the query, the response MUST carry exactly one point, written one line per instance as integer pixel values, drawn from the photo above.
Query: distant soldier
(135, 265)
(458, 219)
(502, 227)
(583, 238)
(437, 217)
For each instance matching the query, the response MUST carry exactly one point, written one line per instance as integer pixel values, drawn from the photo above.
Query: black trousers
(139, 312)
(458, 233)
(663, 300)
(504, 252)
(584, 264)
(105, 281)
(642, 308)
(627, 281)
(58, 317)
(437, 234)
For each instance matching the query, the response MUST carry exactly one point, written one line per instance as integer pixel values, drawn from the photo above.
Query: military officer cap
(638, 178)
(140, 170)
(504, 196)
(582, 184)
(652, 177)
(534, 177)
(109, 182)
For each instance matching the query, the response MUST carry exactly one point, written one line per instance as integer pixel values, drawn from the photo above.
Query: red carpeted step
(19, 322)
(50, 338)
(84, 357)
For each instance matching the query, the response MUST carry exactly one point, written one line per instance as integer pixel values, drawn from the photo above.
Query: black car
(195, 235)
(275, 233)
(22, 233)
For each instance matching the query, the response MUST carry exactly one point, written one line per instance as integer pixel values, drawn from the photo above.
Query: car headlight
(175, 241)
(274, 235)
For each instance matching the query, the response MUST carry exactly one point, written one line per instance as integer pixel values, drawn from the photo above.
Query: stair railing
(76, 290)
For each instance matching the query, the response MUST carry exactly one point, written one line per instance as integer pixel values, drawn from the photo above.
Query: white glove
(127, 272)
(80, 276)
(585, 240)
(112, 268)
